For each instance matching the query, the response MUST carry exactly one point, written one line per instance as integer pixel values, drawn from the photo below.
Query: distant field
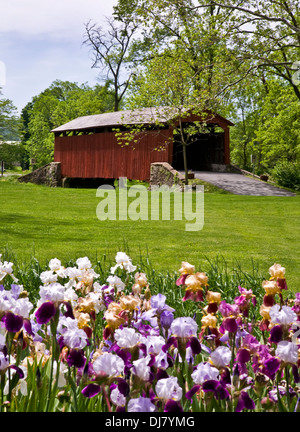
(47, 223)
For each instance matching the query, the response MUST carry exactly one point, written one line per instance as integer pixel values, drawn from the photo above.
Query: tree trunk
(116, 96)
(245, 164)
(185, 164)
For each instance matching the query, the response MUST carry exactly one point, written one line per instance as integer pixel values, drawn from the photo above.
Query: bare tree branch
(294, 26)
(110, 46)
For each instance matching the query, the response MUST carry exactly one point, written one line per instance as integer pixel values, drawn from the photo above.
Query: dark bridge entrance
(205, 150)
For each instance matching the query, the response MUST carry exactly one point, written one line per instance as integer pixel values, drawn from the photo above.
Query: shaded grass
(240, 231)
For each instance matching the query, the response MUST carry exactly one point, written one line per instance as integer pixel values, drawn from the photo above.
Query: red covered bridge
(87, 147)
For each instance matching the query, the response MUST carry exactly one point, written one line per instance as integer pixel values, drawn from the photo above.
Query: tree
(9, 124)
(202, 34)
(240, 55)
(10, 153)
(266, 33)
(167, 88)
(110, 47)
(278, 127)
(25, 134)
(245, 110)
(187, 67)
(8, 120)
(266, 126)
(61, 102)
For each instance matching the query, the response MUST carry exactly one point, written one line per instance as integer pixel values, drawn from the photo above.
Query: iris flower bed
(117, 346)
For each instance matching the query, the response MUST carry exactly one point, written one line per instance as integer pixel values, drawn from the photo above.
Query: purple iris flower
(146, 329)
(251, 343)
(28, 327)
(18, 370)
(276, 334)
(244, 402)
(214, 386)
(76, 358)
(171, 341)
(295, 373)
(141, 404)
(172, 406)
(124, 355)
(161, 374)
(271, 366)
(195, 345)
(123, 387)
(91, 390)
(13, 323)
(243, 355)
(166, 319)
(189, 395)
(241, 301)
(296, 307)
(45, 312)
(158, 302)
(225, 377)
(15, 291)
(69, 310)
(230, 325)
(210, 385)
(227, 309)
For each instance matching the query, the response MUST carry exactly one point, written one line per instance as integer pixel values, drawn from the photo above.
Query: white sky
(41, 41)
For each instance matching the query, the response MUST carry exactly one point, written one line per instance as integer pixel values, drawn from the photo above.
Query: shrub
(287, 174)
(10, 154)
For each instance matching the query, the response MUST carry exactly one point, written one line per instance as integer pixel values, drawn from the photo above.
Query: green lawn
(62, 223)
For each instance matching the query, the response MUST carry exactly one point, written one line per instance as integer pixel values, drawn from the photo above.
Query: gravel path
(241, 185)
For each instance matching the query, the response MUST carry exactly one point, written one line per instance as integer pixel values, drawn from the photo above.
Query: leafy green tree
(278, 126)
(9, 125)
(241, 58)
(25, 134)
(8, 120)
(199, 37)
(245, 110)
(10, 153)
(167, 87)
(266, 117)
(61, 102)
(266, 33)
(187, 65)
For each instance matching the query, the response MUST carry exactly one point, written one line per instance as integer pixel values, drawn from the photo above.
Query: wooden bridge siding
(100, 156)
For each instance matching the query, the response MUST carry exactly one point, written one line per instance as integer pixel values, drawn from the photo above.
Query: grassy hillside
(47, 223)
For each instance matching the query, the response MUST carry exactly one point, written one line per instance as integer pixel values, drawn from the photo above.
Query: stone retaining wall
(162, 173)
(48, 175)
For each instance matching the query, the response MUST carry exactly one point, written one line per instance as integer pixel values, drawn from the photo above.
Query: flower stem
(53, 334)
(232, 350)
(50, 380)
(106, 398)
(2, 383)
(287, 388)
(10, 337)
